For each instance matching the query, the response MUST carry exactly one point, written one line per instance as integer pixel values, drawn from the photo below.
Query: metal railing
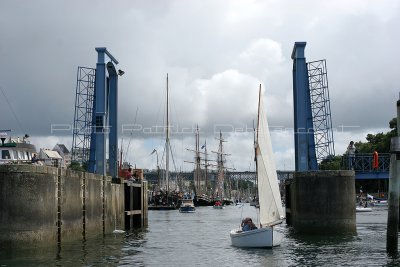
(362, 162)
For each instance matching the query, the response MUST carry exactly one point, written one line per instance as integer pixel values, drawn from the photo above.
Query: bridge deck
(360, 163)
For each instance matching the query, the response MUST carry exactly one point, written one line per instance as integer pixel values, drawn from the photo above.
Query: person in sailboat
(247, 224)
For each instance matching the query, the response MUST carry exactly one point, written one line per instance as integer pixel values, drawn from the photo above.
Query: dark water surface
(202, 239)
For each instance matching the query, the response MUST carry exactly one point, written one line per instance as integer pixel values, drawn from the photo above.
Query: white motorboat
(187, 206)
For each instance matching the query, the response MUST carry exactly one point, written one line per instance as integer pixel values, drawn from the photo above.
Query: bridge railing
(362, 162)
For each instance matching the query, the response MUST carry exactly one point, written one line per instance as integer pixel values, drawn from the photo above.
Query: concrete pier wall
(321, 202)
(40, 203)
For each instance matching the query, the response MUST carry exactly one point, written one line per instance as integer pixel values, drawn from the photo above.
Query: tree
(379, 141)
(331, 163)
(76, 166)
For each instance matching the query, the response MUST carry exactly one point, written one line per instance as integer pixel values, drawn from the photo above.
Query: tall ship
(222, 188)
(201, 182)
(207, 192)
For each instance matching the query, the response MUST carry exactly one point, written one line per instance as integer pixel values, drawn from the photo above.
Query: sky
(216, 53)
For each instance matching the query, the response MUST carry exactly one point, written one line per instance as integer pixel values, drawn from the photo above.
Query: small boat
(187, 206)
(363, 209)
(254, 202)
(379, 203)
(271, 210)
(259, 238)
(218, 205)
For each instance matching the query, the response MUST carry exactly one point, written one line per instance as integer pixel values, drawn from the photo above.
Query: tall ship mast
(219, 188)
(200, 180)
(167, 145)
(197, 164)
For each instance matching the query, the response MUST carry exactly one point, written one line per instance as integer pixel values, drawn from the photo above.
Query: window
(5, 154)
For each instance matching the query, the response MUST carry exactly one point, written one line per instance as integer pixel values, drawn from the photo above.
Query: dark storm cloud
(216, 54)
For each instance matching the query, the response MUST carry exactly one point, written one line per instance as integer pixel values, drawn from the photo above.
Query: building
(50, 158)
(64, 153)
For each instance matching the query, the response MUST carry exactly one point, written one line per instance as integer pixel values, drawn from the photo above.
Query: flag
(153, 152)
(203, 146)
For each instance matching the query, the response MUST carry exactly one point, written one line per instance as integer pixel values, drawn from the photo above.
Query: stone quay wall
(40, 203)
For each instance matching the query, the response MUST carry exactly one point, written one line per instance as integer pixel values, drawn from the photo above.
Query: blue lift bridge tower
(97, 98)
(313, 135)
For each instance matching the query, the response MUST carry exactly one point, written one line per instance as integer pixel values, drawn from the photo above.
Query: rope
(12, 111)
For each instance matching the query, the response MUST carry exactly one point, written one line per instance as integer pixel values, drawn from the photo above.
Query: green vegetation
(332, 163)
(244, 185)
(379, 141)
(76, 166)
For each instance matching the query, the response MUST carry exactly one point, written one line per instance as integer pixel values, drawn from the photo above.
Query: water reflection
(202, 239)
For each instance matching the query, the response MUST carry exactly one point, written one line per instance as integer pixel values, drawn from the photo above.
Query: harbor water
(202, 239)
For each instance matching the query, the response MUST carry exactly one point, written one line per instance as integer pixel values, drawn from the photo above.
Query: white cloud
(264, 53)
(216, 54)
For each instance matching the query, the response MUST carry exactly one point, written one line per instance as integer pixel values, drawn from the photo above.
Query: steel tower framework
(83, 114)
(304, 143)
(321, 110)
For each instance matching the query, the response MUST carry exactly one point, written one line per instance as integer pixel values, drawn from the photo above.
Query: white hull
(361, 209)
(383, 203)
(187, 211)
(258, 238)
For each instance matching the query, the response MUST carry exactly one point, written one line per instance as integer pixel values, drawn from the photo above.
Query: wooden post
(393, 209)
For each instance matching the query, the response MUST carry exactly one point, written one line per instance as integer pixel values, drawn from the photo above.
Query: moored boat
(203, 200)
(363, 209)
(379, 203)
(16, 150)
(187, 206)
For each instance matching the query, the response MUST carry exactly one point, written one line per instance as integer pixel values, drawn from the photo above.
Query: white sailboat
(271, 210)
(166, 198)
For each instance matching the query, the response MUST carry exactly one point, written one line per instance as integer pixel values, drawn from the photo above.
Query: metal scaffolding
(321, 110)
(83, 114)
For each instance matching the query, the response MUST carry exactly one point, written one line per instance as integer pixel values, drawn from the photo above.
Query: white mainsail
(271, 210)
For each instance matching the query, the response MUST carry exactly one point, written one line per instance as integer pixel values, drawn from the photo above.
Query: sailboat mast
(258, 113)
(220, 167)
(206, 165)
(198, 170)
(255, 157)
(167, 143)
(256, 149)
